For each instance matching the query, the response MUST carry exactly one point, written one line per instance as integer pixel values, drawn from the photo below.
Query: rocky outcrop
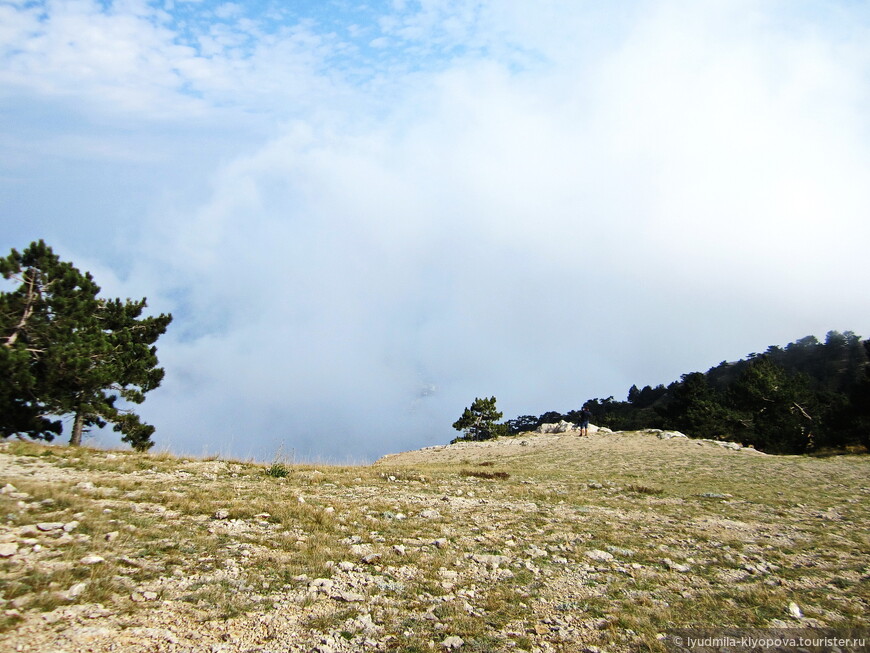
(568, 427)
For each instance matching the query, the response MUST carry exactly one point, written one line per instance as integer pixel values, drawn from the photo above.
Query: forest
(808, 396)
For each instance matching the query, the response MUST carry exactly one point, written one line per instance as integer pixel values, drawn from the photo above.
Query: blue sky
(364, 215)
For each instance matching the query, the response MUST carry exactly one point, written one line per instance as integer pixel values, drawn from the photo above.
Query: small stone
(75, 591)
(223, 513)
(48, 526)
(8, 488)
(452, 642)
(111, 537)
(8, 549)
(92, 559)
(70, 526)
(795, 611)
(398, 549)
(430, 513)
(675, 566)
(371, 558)
(440, 543)
(21, 601)
(620, 551)
(320, 585)
(349, 597)
(599, 556)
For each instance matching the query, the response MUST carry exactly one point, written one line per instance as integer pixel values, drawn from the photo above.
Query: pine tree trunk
(78, 427)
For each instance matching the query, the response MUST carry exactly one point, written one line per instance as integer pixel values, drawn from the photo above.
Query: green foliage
(802, 397)
(65, 351)
(277, 470)
(774, 407)
(479, 422)
(521, 424)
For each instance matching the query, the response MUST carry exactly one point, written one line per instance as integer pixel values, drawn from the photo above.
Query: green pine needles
(480, 422)
(66, 352)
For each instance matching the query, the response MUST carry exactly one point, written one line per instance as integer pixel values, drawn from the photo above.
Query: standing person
(585, 416)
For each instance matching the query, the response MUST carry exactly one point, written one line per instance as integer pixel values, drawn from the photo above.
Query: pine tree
(69, 352)
(480, 421)
(778, 408)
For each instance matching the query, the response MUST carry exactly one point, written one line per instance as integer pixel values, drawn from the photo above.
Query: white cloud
(573, 200)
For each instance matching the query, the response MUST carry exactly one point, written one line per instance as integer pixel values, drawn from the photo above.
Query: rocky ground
(532, 543)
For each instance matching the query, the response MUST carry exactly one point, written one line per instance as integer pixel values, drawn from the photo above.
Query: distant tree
(646, 397)
(65, 351)
(479, 422)
(778, 409)
(522, 424)
(696, 407)
(551, 417)
(858, 411)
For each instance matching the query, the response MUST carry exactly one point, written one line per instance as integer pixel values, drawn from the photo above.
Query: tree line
(806, 396)
(67, 353)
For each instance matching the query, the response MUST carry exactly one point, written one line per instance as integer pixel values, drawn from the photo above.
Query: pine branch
(28, 310)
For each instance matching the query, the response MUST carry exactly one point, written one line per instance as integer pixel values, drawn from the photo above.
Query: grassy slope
(698, 535)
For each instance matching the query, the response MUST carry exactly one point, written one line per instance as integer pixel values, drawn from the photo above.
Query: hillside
(532, 543)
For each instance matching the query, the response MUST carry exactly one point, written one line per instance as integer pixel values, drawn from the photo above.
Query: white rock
(676, 566)
(8, 549)
(48, 526)
(92, 559)
(111, 537)
(452, 642)
(6, 489)
(223, 513)
(320, 585)
(76, 590)
(599, 556)
(795, 611)
(365, 623)
(430, 513)
(491, 561)
(70, 526)
(559, 427)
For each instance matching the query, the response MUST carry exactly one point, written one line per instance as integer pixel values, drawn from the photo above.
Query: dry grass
(436, 544)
